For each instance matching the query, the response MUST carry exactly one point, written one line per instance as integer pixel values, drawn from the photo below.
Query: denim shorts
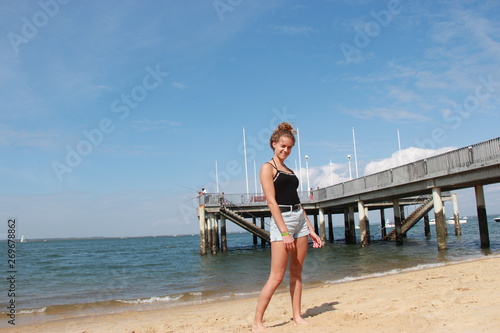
(296, 223)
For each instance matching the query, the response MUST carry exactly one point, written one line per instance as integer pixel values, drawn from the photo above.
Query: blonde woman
(289, 229)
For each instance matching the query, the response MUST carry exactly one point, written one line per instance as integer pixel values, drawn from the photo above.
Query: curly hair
(284, 129)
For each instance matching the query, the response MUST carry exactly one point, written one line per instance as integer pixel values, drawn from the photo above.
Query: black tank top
(285, 187)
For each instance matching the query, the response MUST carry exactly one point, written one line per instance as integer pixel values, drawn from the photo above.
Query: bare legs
(279, 260)
(296, 263)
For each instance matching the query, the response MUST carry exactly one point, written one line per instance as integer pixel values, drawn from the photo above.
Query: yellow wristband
(285, 233)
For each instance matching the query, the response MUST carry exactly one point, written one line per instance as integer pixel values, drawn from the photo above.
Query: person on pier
(290, 226)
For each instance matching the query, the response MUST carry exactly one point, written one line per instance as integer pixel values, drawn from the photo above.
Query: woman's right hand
(289, 242)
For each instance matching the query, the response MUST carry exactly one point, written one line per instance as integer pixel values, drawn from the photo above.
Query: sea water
(63, 278)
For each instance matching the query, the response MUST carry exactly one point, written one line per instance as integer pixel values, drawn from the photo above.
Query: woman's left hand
(316, 240)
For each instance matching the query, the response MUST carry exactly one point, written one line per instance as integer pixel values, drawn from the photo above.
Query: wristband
(285, 233)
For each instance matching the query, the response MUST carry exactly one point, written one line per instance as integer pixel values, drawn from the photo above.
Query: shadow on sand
(317, 310)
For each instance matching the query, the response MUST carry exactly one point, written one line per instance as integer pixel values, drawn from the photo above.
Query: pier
(425, 183)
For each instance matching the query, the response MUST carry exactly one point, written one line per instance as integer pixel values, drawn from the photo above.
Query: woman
(289, 225)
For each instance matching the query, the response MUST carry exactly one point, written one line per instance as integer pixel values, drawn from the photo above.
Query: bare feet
(299, 321)
(258, 327)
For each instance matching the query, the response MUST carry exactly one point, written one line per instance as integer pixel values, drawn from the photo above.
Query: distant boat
(449, 221)
(389, 224)
(452, 221)
(22, 239)
(497, 219)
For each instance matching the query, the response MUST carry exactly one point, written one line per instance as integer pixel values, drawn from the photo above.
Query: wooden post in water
(364, 237)
(350, 230)
(439, 218)
(382, 223)
(322, 229)
(368, 233)
(444, 218)
(254, 220)
(427, 227)
(403, 217)
(456, 216)
(208, 232)
(223, 233)
(263, 227)
(482, 217)
(397, 221)
(330, 227)
(352, 225)
(316, 229)
(214, 233)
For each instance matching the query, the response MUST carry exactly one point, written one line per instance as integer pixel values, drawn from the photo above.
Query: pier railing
(475, 156)
(243, 199)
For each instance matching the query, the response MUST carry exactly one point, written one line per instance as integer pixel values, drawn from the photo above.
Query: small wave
(31, 311)
(148, 300)
(244, 294)
(196, 293)
(391, 272)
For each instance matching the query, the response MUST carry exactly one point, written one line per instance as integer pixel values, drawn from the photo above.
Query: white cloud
(406, 156)
(325, 175)
(180, 86)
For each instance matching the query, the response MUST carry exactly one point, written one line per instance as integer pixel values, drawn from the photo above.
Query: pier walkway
(425, 183)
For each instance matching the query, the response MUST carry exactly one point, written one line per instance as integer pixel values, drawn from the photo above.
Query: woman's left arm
(312, 233)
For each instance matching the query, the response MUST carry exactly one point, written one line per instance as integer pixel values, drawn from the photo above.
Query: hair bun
(286, 127)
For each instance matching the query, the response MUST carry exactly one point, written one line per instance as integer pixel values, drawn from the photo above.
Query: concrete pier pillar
(364, 237)
(201, 217)
(223, 233)
(322, 229)
(439, 218)
(382, 223)
(330, 228)
(482, 217)
(397, 221)
(456, 216)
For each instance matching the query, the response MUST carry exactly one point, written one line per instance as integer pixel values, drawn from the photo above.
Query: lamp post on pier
(349, 160)
(307, 172)
(331, 171)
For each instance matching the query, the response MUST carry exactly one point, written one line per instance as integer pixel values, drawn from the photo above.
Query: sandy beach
(458, 297)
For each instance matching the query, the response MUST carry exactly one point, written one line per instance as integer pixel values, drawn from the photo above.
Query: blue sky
(114, 112)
